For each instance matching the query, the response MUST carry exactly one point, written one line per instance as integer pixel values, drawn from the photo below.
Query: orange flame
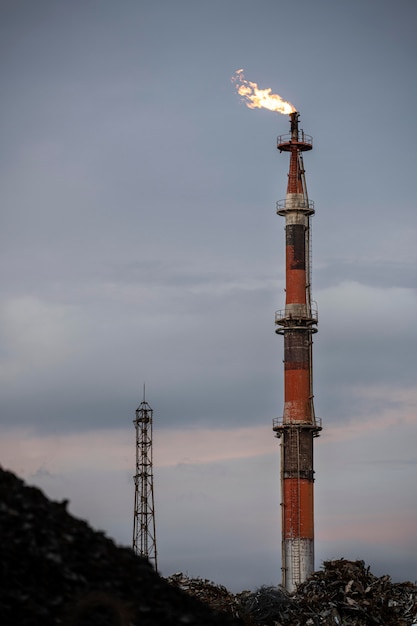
(256, 98)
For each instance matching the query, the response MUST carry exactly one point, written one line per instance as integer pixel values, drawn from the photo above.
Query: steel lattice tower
(144, 538)
(297, 323)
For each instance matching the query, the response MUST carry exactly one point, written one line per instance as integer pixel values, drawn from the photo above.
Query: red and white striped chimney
(297, 323)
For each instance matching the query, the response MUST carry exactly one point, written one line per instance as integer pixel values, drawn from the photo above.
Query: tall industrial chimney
(297, 323)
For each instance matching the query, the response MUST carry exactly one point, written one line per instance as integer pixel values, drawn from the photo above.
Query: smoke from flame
(256, 98)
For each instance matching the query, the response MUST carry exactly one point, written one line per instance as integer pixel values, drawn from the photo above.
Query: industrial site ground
(55, 569)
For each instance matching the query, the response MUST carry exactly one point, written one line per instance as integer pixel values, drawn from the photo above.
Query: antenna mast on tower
(144, 538)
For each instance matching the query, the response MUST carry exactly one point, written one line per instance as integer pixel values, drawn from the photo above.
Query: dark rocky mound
(55, 569)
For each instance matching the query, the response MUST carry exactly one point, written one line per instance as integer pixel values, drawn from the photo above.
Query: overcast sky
(139, 243)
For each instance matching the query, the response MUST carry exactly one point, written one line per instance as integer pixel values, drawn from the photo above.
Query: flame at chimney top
(256, 98)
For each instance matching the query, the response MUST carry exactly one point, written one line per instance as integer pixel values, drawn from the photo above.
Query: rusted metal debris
(216, 596)
(342, 593)
(346, 592)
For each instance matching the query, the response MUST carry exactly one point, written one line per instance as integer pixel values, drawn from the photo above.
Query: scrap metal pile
(216, 596)
(343, 593)
(346, 592)
(55, 570)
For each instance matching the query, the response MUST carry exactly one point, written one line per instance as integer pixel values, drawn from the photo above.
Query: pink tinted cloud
(396, 528)
(26, 453)
(395, 407)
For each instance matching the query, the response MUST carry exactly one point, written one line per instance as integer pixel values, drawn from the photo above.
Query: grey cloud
(138, 219)
(381, 273)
